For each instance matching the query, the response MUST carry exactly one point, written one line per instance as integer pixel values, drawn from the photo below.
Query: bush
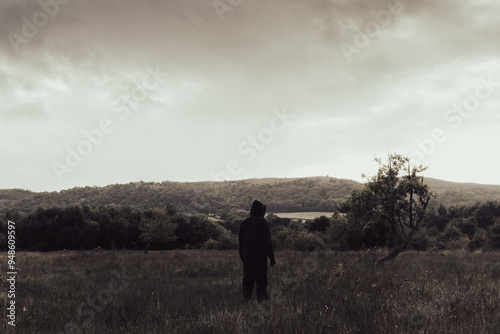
(296, 237)
(452, 238)
(345, 235)
(320, 224)
(419, 243)
(477, 242)
(195, 230)
(466, 226)
(225, 242)
(494, 237)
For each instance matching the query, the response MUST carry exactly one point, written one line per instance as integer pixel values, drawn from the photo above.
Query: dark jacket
(254, 236)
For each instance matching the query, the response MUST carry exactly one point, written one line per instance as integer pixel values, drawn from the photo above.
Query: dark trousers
(255, 271)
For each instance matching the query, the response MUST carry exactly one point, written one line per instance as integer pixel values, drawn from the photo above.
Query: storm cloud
(358, 79)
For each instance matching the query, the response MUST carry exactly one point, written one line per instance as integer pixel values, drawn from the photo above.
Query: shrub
(494, 236)
(452, 238)
(466, 226)
(320, 224)
(419, 243)
(195, 230)
(296, 237)
(225, 242)
(478, 241)
(345, 235)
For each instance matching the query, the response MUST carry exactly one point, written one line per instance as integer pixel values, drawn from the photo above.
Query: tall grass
(194, 291)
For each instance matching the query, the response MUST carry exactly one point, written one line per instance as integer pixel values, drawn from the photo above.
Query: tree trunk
(401, 247)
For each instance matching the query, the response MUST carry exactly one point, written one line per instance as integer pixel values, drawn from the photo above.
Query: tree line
(458, 227)
(219, 198)
(391, 210)
(80, 227)
(227, 199)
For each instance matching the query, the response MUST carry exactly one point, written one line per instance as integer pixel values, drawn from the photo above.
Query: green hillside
(462, 194)
(230, 197)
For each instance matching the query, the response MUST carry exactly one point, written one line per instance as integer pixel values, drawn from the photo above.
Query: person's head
(258, 209)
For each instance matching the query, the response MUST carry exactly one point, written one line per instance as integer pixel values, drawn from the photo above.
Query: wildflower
(326, 308)
(24, 309)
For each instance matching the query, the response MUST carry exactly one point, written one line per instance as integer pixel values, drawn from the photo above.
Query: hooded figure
(255, 248)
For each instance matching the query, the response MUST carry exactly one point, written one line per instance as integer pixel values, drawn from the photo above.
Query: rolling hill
(231, 197)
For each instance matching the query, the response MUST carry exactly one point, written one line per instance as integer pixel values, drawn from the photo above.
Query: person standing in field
(255, 248)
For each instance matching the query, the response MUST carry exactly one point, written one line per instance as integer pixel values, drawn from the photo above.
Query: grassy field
(195, 291)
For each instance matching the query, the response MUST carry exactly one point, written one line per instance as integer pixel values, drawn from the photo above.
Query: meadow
(199, 291)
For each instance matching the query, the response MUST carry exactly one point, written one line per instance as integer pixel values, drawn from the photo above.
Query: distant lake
(303, 215)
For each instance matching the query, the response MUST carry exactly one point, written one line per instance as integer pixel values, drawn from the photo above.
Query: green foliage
(230, 200)
(479, 240)
(463, 227)
(82, 227)
(438, 220)
(296, 237)
(485, 214)
(320, 224)
(194, 230)
(157, 229)
(353, 235)
(3, 233)
(451, 233)
(226, 241)
(466, 226)
(276, 223)
(395, 199)
(494, 236)
(132, 227)
(232, 226)
(419, 243)
(344, 236)
(453, 238)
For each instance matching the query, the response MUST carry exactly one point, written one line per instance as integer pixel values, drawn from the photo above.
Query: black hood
(258, 209)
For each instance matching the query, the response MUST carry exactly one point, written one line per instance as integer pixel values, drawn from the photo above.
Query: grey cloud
(25, 111)
(229, 75)
(276, 34)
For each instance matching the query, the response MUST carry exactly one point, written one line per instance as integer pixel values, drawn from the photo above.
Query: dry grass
(199, 292)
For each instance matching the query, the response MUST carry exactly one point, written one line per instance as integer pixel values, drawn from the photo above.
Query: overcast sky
(96, 92)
